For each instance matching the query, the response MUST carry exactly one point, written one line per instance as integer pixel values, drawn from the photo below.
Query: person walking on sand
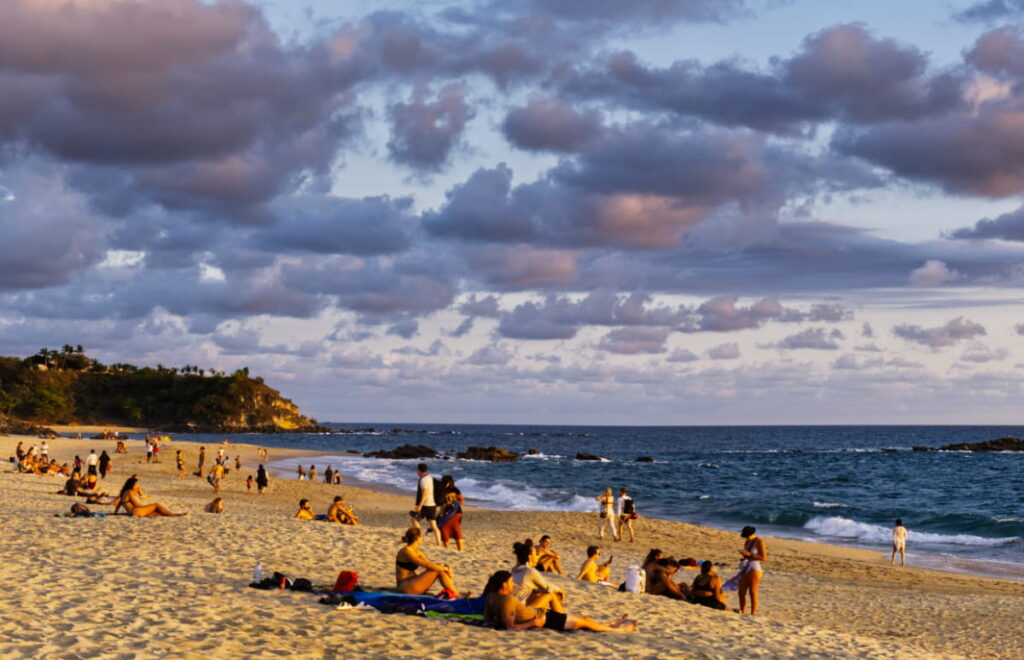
(91, 462)
(625, 510)
(426, 505)
(607, 511)
(180, 458)
(261, 480)
(899, 542)
(104, 464)
(202, 461)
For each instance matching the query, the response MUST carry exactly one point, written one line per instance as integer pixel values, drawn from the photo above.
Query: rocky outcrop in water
(1002, 444)
(644, 459)
(405, 451)
(584, 456)
(492, 453)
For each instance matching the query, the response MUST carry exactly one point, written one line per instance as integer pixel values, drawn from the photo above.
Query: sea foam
(845, 528)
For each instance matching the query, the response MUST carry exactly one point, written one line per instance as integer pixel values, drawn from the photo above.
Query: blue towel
(410, 604)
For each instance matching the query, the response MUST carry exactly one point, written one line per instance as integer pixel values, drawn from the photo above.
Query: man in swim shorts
(426, 507)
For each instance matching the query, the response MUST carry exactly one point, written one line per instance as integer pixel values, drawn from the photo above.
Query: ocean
(834, 484)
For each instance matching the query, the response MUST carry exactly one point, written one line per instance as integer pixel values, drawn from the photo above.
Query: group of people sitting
(515, 600)
(704, 589)
(338, 512)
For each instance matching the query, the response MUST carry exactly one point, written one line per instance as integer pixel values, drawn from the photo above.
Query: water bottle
(257, 572)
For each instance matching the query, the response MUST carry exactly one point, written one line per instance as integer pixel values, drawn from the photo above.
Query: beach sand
(177, 587)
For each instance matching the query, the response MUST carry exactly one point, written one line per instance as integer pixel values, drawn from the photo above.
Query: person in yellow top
(591, 571)
(305, 511)
(216, 474)
(341, 514)
(180, 456)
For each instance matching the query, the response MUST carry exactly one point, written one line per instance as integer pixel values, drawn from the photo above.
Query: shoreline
(936, 561)
(173, 586)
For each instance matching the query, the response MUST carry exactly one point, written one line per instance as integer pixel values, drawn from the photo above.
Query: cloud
(722, 314)
(867, 331)
(333, 225)
(728, 351)
(933, 273)
(990, 10)
(980, 354)
(521, 267)
(939, 337)
(424, 132)
(547, 124)
(682, 355)
(1007, 227)
(635, 340)
(1019, 328)
(486, 307)
(841, 73)
(815, 338)
(490, 356)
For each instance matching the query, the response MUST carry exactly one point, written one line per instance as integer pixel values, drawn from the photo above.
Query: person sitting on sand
(531, 587)
(216, 506)
(707, 588)
(410, 558)
(650, 565)
(503, 611)
(134, 506)
(548, 560)
(662, 583)
(305, 511)
(590, 571)
(341, 514)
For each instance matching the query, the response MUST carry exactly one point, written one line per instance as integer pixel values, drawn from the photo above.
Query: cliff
(45, 389)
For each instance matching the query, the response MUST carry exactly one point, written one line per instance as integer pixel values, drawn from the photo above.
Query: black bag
(302, 584)
(628, 507)
(438, 494)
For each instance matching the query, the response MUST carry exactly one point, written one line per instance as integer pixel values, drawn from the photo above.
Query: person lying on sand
(341, 514)
(305, 511)
(548, 560)
(503, 611)
(590, 571)
(410, 558)
(216, 506)
(134, 506)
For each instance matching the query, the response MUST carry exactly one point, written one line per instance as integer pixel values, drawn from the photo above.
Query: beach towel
(71, 515)
(392, 603)
(733, 583)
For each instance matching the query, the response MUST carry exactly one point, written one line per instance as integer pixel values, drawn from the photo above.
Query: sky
(654, 212)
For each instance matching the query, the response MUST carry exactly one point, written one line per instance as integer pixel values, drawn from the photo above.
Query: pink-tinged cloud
(634, 340)
(953, 331)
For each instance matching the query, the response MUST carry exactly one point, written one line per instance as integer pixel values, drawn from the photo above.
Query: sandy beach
(177, 587)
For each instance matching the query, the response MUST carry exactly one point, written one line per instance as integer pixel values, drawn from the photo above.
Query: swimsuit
(407, 565)
(752, 564)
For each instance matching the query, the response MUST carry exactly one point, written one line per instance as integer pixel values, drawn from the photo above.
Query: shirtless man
(590, 571)
(341, 514)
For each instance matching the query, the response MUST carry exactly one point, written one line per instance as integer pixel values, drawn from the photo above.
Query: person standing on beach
(180, 457)
(261, 480)
(899, 542)
(91, 462)
(625, 510)
(202, 460)
(753, 553)
(104, 464)
(607, 514)
(426, 506)
(149, 449)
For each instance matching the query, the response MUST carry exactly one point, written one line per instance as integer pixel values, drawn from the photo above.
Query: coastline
(174, 586)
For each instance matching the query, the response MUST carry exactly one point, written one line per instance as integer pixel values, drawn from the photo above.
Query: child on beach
(248, 484)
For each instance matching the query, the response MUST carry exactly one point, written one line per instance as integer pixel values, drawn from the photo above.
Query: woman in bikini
(135, 507)
(753, 552)
(607, 502)
(707, 588)
(410, 558)
(504, 612)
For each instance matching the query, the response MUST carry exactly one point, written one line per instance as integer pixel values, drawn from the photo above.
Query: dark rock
(532, 452)
(919, 448)
(644, 459)
(888, 451)
(584, 456)
(1002, 444)
(492, 453)
(405, 451)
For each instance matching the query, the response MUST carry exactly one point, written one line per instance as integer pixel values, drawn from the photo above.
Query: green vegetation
(68, 387)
